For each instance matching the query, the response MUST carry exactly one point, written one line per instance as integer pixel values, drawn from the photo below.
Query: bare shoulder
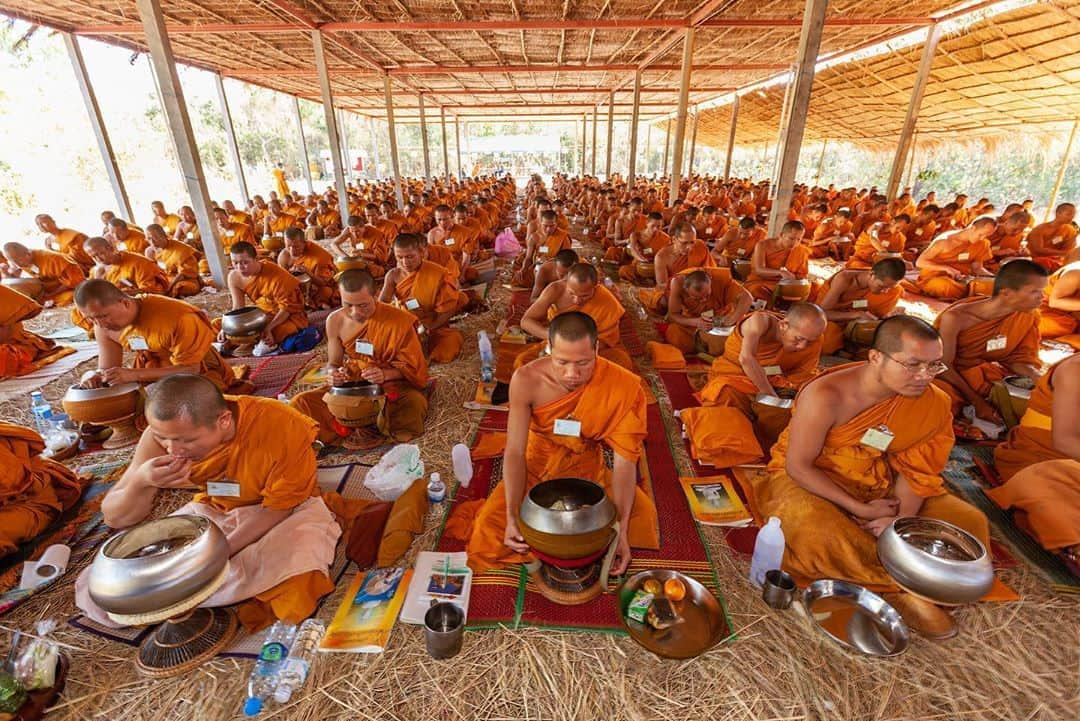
(334, 321)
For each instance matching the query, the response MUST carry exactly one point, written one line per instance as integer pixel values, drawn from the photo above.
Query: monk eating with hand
(1059, 316)
(301, 256)
(986, 339)
(700, 300)
(643, 247)
(59, 276)
(565, 409)
(428, 292)
(179, 261)
(553, 270)
(362, 240)
(376, 342)
(867, 444)
(1007, 237)
(884, 237)
(541, 247)
(1050, 243)
(854, 295)
(776, 259)
(20, 350)
(684, 252)
(167, 336)
(947, 262)
(65, 241)
(130, 272)
(271, 288)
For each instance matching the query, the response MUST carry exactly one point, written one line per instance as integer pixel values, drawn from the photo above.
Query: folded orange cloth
(665, 356)
(489, 444)
(720, 436)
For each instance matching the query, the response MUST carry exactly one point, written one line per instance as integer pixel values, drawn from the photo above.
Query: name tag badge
(360, 246)
(223, 489)
(191, 236)
(451, 241)
(137, 342)
(568, 427)
(708, 231)
(230, 233)
(412, 304)
(877, 438)
(543, 249)
(997, 343)
(964, 256)
(772, 370)
(648, 251)
(740, 252)
(861, 303)
(1057, 240)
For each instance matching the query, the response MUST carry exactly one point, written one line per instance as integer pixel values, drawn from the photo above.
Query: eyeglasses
(915, 368)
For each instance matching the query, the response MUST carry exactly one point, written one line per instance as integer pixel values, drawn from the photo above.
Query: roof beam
(493, 69)
(548, 91)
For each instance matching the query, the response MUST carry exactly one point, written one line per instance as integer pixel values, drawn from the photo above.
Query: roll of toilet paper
(52, 564)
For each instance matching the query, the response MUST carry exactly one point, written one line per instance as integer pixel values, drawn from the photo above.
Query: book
(366, 615)
(515, 335)
(437, 577)
(714, 502)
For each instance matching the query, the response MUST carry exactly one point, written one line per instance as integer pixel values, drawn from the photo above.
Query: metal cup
(778, 591)
(444, 626)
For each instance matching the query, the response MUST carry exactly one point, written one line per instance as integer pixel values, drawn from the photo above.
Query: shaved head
(1017, 273)
(573, 326)
(582, 273)
(890, 333)
(14, 248)
(696, 279)
(97, 290)
(410, 240)
(800, 313)
(889, 269)
(566, 257)
(187, 397)
(97, 242)
(355, 280)
(243, 248)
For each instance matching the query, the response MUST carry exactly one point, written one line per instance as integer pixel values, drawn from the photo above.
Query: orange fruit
(652, 586)
(674, 589)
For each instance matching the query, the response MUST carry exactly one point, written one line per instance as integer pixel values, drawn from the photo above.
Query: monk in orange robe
(831, 234)
(1050, 243)
(306, 257)
(362, 241)
(540, 247)
(167, 336)
(702, 299)
(130, 272)
(923, 230)
(738, 242)
(1059, 316)
(270, 287)
(987, 339)
(376, 342)
(867, 444)
(553, 270)
(853, 295)
(179, 261)
(277, 221)
(564, 411)
(232, 231)
(945, 266)
(643, 248)
(64, 241)
(325, 218)
(428, 292)
(685, 251)
(622, 226)
(59, 276)
(20, 350)
(168, 221)
(125, 237)
(1006, 240)
(776, 259)
(883, 237)
(457, 238)
(34, 491)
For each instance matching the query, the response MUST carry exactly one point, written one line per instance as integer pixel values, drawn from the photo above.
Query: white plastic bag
(395, 472)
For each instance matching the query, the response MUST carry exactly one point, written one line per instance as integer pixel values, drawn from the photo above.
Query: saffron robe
(795, 260)
(1030, 441)
(432, 291)
(725, 291)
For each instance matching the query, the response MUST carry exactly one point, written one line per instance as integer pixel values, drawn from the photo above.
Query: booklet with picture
(437, 577)
(367, 613)
(714, 502)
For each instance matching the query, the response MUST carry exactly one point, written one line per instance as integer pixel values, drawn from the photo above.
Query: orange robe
(1058, 237)
(822, 540)
(53, 267)
(34, 491)
(318, 263)
(937, 285)
(427, 293)
(135, 242)
(134, 273)
(743, 249)
(724, 293)
(274, 289)
(1046, 502)
(795, 260)
(629, 272)
(878, 304)
(655, 299)
(178, 258)
(1054, 323)
(832, 227)
(611, 410)
(392, 334)
(863, 255)
(22, 351)
(1031, 442)
(70, 243)
(545, 251)
(980, 366)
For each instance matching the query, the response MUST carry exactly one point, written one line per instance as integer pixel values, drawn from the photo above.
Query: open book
(437, 577)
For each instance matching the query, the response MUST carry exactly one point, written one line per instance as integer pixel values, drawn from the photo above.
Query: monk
(277, 221)
(231, 231)
(1005, 241)
(947, 262)
(20, 350)
(325, 218)
(884, 237)
(826, 236)
(361, 241)
(280, 184)
(270, 287)
(738, 242)
(64, 241)
(1050, 243)
(541, 247)
(867, 444)
(565, 409)
(187, 230)
(777, 259)
(426, 290)
(700, 300)
(923, 230)
(643, 247)
(125, 237)
(58, 275)
(986, 339)
(306, 257)
(34, 491)
(130, 272)
(373, 341)
(253, 467)
(179, 261)
(685, 251)
(167, 336)
(853, 295)
(1059, 316)
(553, 270)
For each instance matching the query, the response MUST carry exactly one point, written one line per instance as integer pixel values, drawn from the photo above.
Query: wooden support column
(457, 145)
(809, 42)
(445, 149)
(648, 149)
(634, 118)
(344, 134)
(912, 116)
(334, 141)
(584, 141)
(731, 137)
(230, 136)
(373, 172)
(1061, 172)
(424, 144)
(393, 141)
(187, 152)
(101, 134)
(693, 144)
(610, 133)
(680, 118)
(785, 110)
(667, 146)
(592, 165)
(820, 162)
(304, 159)
(911, 159)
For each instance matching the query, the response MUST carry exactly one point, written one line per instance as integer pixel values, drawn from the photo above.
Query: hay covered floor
(1010, 662)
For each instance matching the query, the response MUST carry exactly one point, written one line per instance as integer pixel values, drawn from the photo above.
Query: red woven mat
(273, 376)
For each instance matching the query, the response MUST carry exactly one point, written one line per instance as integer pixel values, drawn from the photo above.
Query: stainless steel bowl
(1019, 386)
(30, 287)
(157, 564)
(246, 321)
(935, 560)
(774, 401)
(78, 393)
(856, 618)
(363, 389)
(302, 277)
(567, 506)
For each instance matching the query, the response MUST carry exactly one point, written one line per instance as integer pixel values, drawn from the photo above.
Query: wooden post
(731, 137)
(912, 116)
(445, 149)
(784, 111)
(634, 118)
(911, 159)
(305, 161)
(610, 133)
(373, 171)
(457, 146)
(424, 144)
(648, 148)
(820, 162)
(1061, 171)
(667, 146)
(680, 117)
(693, 143)
(584, 141)
(333, 139)
(393, 141)
(592, 164)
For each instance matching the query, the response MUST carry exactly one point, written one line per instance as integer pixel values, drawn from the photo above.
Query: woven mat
(273, 375)
(56, 364)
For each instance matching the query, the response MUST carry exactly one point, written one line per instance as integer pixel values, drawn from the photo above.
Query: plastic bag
(395, 472)
(506, 244)
(36, 666)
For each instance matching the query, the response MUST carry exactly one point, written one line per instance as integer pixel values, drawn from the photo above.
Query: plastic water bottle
(264, 676)
(768, 551)
(436, 489)
(42, 413)
(294, 671)
(463, 469)
(487, 357)
(283, 397)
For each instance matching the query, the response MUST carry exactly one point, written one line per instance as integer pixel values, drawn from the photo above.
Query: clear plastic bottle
(294, 671)
(463, 469)
(768, 551)
(42, 413)
(436, 489)
(487, 357)
(283, 397)
(264, 677)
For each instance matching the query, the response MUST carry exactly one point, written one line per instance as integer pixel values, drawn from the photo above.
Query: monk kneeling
(553, 270)
(701, 300)
(130, 272)
(179, 261)
(867, 444)
(22, 351)
(271, 288)
(860, 295)
(58, 275)
(1059, 316)
(301, 256)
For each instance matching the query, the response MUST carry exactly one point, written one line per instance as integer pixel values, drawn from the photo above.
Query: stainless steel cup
(444, 627)
(778, 591)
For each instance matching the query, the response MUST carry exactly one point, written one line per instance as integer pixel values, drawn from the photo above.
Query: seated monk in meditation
(946, 264)
(1050, 243)
(232, 231)
(684, 252)
(565, 409)
(553, 270)
(34, 491)
(541, 247)
(776, 259)
(884, 237)
(252, 465)
(700, 300)
(125, 237)
(59, 276)
(65, 241)
(426, 290)
(130, 272)
(362, 240)
(834, 228)
(986, 339)
(301, 256)
(168, 221)
(167, 336)
(1040, 462)
(1005, 241)
(1059, 316)
(179, 261)
(643, 247)
(579, 291)
(853, 295)
(866, 444)
(373, 341)
(20, 350)
(738, 242)
(264, 284)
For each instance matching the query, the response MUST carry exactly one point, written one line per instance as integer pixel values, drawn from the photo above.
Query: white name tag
(363, 347)
(223, 489)
(877, 438)
(412, 304)
(543, 249)
(740, 252)
(567, 427)
(997, 343)
(708, 231)
(360, 246)
(230, 233)
(772, 370)
(861, 303)
(450, 241)
(1057, 240)
(648, 251)
(191, 236)
(137, 342)
(964, 256)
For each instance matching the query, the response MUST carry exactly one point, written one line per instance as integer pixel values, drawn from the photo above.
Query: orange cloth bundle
(665, 356)
(720, 436)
